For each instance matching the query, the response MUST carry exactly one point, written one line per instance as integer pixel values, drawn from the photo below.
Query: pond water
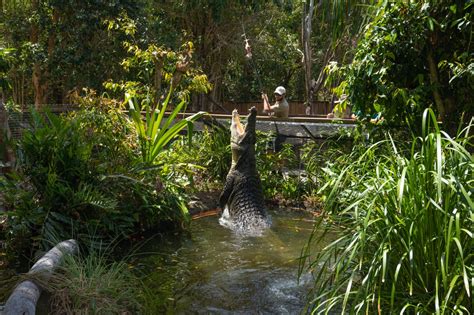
(213, 270)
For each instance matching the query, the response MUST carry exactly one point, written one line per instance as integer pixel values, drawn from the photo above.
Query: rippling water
(216, 271)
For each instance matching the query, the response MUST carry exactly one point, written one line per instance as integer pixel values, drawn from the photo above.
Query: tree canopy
(412, 56)
(409, 56)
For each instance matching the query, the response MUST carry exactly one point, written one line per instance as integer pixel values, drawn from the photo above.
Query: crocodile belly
(247, 206)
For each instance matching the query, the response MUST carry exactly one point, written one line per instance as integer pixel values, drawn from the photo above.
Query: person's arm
(266, 104)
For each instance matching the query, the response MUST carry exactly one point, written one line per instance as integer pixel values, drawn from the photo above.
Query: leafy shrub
(271, 164)
(316, 157)
(79, 176)
(60, 185)
(156, 131)
(214, 150)
(199, 164)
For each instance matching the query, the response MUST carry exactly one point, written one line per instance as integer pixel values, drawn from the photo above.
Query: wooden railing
(297, 108)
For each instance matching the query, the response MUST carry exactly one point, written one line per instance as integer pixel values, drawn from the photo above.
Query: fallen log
(24, 297)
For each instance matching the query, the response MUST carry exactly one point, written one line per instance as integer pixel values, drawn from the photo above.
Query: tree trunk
(8, 155)
(306, 40)
(39, 85)
(435, 85)
(55, 91)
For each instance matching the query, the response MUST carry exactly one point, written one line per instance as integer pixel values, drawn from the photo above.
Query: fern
(90, 195)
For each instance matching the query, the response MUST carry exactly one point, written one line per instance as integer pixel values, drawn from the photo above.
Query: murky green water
(214, 271)
(217, 271)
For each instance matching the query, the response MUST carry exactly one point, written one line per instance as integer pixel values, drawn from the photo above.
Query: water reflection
(218, 271)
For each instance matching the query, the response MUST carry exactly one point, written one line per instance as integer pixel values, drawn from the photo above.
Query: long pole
(250, 58)
(306, 41)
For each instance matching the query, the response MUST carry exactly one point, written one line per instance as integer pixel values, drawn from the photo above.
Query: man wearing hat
(281, 107)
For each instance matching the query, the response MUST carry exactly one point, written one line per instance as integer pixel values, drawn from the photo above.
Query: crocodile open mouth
(242, 137)
(237, 130)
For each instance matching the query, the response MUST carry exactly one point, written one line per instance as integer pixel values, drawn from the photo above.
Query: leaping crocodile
(242, 196)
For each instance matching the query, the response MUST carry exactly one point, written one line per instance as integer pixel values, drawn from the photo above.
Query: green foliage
(63, 184)
(75, 45)
(389, 75)
(77, 177)
(5, 55)
(271, 165)
(156, 131)
(317, 158)
(201, 164)
(402, 64)
(212, 148)
(68, 42)
(402, 229)
(113, 139)
(276, 56)
(156, 69)
(340, 16)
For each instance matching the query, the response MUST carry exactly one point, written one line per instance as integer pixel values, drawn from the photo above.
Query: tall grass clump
(93, 284)
(405, 223)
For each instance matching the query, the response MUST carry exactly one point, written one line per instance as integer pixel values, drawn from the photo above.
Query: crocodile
(242, 197)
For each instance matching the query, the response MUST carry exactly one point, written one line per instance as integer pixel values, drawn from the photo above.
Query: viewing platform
(313, 127)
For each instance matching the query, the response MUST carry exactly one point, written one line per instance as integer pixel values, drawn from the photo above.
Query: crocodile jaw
(237, 137)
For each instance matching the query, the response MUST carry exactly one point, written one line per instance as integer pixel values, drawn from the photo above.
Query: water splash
(257, 227)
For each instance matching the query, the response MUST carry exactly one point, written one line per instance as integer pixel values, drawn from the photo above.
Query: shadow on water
(216, 271)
